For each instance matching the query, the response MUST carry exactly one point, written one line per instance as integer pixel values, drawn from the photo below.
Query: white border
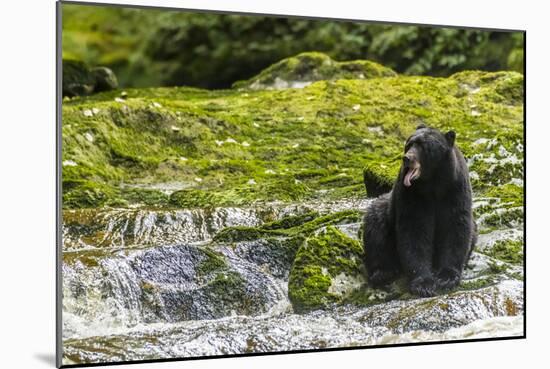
(27, 152)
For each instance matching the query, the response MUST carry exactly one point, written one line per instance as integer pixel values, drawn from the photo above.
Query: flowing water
(144, 284)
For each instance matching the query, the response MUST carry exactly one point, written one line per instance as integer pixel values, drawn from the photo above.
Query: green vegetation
(158, 47)
(321, 260)
(301, 225)
(510, 251)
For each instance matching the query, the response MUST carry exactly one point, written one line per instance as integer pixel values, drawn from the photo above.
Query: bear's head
(425, 149)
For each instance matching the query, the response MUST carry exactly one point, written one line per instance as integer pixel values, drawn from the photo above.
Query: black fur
(424, 227)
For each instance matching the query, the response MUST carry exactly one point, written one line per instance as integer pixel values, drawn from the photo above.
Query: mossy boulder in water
(305, 68)
(326, 269)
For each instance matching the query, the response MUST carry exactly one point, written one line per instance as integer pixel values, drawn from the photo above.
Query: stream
(150, 284)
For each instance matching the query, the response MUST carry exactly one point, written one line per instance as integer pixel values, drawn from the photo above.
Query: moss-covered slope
(184, 147)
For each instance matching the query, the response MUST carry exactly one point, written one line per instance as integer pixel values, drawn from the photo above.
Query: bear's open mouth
(412, 174)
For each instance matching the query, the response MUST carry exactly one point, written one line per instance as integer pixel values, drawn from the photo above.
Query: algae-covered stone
(300, 70)
(326, 269)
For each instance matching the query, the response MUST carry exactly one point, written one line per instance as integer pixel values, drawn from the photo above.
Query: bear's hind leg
(380, 255)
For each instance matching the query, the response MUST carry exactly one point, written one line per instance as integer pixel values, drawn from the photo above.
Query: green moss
(498, 87)
(302, 225)
(497, 268)
(510, 251)
(213, 262)
(313, 66)
(88, 194)
(192, 198)
(310, 290)
(477, 283)
(379, 177)
(149, 197)
(507, 217)
(318, 261)
(240, 148)
(291, 221)
(340, 217)
(511, 195)
(228, 286)
(243, 233)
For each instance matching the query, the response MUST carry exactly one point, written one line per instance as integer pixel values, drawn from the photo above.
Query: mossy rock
(299, 225)
(88, 194)
(326, 269)
(291, 221)
(510, 251)
(304, 68)
(80, 80)
(243, 147)
(77, 79)
(191, 198)
(379, 177)
(105, 79)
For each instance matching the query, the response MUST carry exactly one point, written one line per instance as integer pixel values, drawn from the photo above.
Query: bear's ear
(420, 126)
(450, 137)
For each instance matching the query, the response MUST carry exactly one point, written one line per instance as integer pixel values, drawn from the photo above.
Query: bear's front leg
(453, 242)
(415, 247)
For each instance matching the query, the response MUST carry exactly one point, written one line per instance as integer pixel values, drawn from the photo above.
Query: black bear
(424, 227)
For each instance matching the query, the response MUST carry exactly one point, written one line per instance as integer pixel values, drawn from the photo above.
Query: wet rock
(274, 255)
(293, 225)
(116, 228)
(490, 312)
(165, 284)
